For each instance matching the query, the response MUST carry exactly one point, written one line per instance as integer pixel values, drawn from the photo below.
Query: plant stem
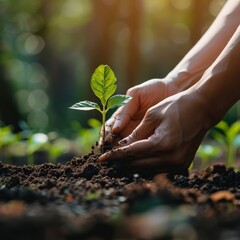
(30, 159)
(231, 155)
(103, 128)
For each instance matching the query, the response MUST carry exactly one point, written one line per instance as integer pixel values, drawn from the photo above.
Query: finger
(170, 161)
(144, 130)
(125, 114)
(140, 149)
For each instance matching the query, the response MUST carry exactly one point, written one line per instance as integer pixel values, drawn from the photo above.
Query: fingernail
(103, 157)
(115, 128)
(123, 142)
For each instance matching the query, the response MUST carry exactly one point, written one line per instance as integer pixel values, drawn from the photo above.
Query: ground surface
(83, 199)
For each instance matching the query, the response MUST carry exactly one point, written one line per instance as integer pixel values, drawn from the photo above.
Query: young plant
(207, 153)
(103, 85)
(228, 135)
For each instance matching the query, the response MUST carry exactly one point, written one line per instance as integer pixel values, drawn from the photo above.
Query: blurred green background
(49, 50)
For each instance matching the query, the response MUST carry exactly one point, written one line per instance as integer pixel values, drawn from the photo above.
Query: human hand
(168, 136)
(128, 117)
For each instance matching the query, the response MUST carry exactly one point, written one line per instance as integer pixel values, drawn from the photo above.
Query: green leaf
(102, 83)
(222, 126)
(233, 131)
(219, 137)
(85, 105)
(118, 100)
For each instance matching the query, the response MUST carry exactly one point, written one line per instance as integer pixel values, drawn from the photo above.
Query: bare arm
(220, 84)
(171, 131)
(203, 54)
(183, 76)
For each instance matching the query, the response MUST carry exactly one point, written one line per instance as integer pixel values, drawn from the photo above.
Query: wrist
(202, 108)
(182, 79)
(218, 93)
(220, 84)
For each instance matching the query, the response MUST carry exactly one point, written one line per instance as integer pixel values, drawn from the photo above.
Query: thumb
(144, 130)
(125, 114)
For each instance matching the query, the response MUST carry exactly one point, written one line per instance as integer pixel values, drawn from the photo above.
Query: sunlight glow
(180, 33)
(75, 8)
(181, 4)
(215, 7)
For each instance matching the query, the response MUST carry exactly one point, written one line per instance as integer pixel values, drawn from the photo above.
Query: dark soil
(83, 199)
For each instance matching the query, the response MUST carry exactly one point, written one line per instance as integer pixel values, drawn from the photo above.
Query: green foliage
(85, 137)
(24, 145)
(93, 195)
(207, 152)
(7, 137)
(229, 136)
(103, 85)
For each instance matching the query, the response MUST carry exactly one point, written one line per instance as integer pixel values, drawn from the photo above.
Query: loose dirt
(84, 199)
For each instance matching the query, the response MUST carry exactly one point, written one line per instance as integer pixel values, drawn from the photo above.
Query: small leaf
(222, 126)
(85, 105)
(118, 100)
(233, 131)
(102, 83)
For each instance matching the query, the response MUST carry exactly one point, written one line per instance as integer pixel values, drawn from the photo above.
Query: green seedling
(207, 152)
(228, 135)
(7, 139)
(103, 85)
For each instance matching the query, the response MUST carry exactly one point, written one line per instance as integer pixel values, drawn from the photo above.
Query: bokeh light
(37, 119)
(38, 99)
(180, 33)
(181, 4)
(215, 6)
(49, 48)
(34, 44)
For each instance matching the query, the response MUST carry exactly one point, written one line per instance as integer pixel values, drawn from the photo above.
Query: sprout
(103, 85)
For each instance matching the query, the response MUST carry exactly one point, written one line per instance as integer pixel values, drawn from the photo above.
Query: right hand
(168, 136)
(128, 117)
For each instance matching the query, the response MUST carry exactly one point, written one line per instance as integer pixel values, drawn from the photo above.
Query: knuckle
(136, 134)
(150, 114)
(132, 91)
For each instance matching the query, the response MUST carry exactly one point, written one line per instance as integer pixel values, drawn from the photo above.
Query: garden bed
(83, 199)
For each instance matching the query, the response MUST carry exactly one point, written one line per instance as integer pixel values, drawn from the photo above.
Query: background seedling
(207, 153)
(228, 135)
(103, 85)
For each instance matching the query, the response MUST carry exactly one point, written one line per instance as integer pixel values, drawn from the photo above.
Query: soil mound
(84, 199)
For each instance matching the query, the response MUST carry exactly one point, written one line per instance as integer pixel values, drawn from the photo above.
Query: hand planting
(103, 85)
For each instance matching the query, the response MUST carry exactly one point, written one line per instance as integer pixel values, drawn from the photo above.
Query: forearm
(219, 86)
(203, 54)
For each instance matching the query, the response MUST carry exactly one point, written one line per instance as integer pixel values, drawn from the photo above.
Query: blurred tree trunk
(134, 55)
(101, 41)
(60, 76)
(9, 113)
(199, 11)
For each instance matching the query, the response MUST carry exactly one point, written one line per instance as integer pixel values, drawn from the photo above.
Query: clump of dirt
(84, 199)
(76, 180)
